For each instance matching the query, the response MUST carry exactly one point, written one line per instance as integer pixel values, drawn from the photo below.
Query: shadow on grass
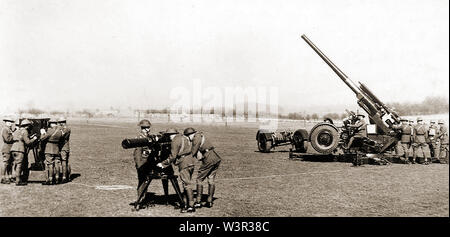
(172, 199)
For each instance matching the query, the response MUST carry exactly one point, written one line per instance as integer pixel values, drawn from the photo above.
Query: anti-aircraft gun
(327, 139)
(159, 149)
(380, 115)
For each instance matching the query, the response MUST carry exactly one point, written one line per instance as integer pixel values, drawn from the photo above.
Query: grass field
(249, 183)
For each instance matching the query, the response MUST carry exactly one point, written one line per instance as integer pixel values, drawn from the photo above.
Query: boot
(184, 207)
(211, 189)
(198, 203)
(189, 201)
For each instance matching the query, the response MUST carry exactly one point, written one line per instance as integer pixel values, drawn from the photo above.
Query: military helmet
(441, 121)
(9, 119)
(411, 121)
(189, 131)
(52, 120)
(25, 122)
(404, 119)
(171, 131)
(419, 119)
(145, 123)
(61, 120)
(432, 121)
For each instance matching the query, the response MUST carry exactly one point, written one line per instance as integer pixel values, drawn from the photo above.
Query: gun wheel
(324, 138)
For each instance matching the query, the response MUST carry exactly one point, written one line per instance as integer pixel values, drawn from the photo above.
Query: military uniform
(203, 149)
(181, 156)
(65, 150)
(140, 156)
(411, 147)
(52, 151)
(403, 145)
(443, 142)
(19, 151)
(433, 143)
(7, 136)
(419, 142)
(361, 130)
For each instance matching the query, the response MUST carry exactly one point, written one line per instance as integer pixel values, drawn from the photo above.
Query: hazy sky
(58, 54)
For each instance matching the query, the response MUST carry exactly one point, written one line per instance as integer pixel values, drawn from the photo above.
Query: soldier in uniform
(7, 136)
(65, 149)
(52, 137)
(419, 141)
(402, 147)
(19, 150)
(181, 155)
(141, 154)
(433, 143)
(443, 141)
(361, 129)
(203, 150)
(411, 148)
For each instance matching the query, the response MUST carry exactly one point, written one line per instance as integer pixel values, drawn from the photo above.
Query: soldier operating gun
(153, 150)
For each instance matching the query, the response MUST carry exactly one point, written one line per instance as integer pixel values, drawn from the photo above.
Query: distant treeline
(430, 105)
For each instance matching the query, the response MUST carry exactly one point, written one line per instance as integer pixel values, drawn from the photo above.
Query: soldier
(443, 141)
(361, 129)
(19, 150)
(411, 148)
(7, 136)
(419, 141)
(141, 154)
(52, 137)
(402, 147)
(433, 143)
(181, 155)
(203, 150)
(65, 149)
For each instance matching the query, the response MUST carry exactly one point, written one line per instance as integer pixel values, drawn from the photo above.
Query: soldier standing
(203, 150)
(419, 141)
(433, 143)
(65, 149)
(443, 140)
(141, 154)
(19, 150)
(7, 136)
(181, 155)
(402, 147)
(52, 137)
(411, 147)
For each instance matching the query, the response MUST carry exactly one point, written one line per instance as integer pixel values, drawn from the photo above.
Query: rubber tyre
(299, 139)
(263, 144)
(324, 138)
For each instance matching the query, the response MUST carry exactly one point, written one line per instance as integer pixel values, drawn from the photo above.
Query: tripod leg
(177, 190)
(165, 184)
(142, 190)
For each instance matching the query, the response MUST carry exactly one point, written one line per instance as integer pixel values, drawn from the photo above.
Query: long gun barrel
(383, 116)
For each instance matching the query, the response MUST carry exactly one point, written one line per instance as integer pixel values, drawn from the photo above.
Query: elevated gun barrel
(338, 71)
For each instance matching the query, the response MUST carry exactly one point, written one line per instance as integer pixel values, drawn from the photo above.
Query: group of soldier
(185, 150)
(420, 140)
(416, 140)
(17, 142)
